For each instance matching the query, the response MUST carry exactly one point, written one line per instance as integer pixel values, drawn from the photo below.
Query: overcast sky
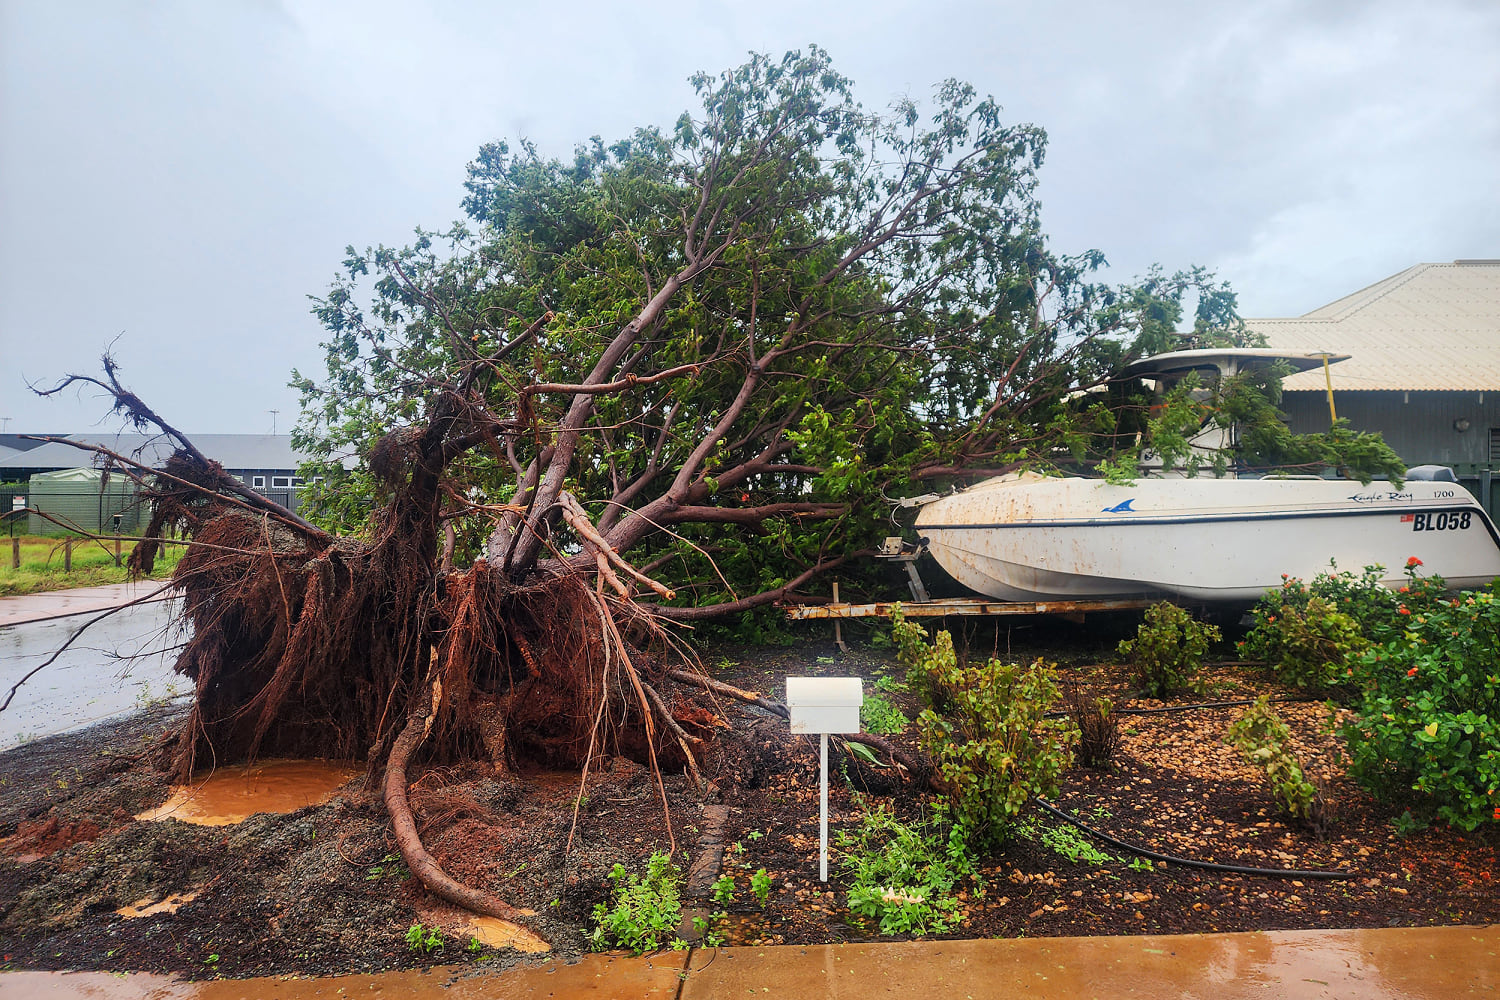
(182, 175)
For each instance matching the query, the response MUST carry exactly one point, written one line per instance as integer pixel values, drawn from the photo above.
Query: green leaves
(904, 876)
(647, 908)
(1427, 731)
(987, 731)
(1262, 738)
(1168, 649)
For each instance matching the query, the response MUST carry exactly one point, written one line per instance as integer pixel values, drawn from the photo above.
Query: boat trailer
(1073, 610)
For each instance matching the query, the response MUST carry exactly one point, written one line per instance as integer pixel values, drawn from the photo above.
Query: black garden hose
(1298, 699)
(1188, 862)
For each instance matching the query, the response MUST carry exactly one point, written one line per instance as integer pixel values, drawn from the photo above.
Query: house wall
(1417, 425)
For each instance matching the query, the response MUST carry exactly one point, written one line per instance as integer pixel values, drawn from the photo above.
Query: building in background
(1424, 367)
(39, 472)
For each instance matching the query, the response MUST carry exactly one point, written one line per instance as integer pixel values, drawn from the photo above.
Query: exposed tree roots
(306, 644)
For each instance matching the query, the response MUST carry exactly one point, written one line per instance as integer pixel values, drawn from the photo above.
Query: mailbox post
(824, 705)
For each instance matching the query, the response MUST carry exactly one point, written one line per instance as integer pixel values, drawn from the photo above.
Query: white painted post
(823, 807)
(824, 705)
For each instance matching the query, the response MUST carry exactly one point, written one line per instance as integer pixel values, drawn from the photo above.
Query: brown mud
(322, 890)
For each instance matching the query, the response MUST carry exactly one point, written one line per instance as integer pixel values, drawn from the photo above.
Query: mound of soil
(323, 891)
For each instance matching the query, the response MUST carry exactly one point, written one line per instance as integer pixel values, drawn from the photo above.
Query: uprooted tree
(667, 382)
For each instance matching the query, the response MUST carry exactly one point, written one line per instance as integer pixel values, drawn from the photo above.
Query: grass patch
(93, 564)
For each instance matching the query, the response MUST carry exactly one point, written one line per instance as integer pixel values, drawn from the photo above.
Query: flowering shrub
(1303, 636)
(993, 745)
(1427, 732)
(1310, 634)
(1168, 649)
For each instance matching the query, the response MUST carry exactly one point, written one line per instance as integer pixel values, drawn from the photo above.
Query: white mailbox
(824, 704)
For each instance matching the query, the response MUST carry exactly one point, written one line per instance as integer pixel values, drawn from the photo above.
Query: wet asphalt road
(120, 664)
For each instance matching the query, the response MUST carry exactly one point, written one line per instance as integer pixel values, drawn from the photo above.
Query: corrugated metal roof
(233, 451)
(1432, 327)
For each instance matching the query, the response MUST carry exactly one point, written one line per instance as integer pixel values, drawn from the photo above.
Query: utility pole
(273, 419)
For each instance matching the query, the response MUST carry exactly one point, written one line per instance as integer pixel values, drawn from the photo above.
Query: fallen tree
(666, 383)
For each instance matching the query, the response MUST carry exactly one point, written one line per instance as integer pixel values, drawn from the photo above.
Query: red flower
(1412, 672)
(1497, 812)
(1413, 562)
(1403, 611)
(1404, 590)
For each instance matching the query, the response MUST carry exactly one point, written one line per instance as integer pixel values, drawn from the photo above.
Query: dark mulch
(321, 891)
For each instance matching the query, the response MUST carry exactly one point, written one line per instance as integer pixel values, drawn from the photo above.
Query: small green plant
(1262, 737)
(1168, 650)
(886, 684)
(987, 731)
(879, 716)
(1065, 841)
(723, 890)
(647, 908)
(707, 928)
(904, 876)
(389, 866)
(424, 940)
(475, 946)
(760, 887)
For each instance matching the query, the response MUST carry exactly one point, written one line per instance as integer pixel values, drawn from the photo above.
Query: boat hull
(1222, 541)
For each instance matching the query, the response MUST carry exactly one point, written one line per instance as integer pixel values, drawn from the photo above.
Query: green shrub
(1262, 737)
(880, 716)
(647, 909)
(992, 744)
(903, 876)
(1168, 649)
(1427, 728)
(1311, 634)
(1306, 641)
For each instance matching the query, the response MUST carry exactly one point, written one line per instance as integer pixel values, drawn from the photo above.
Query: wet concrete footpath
(52, 604)
(1426, 963)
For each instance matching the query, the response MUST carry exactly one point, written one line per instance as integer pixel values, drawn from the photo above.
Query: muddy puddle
(148, 906)
(231, 795)
(499, 933)
(1424, 963)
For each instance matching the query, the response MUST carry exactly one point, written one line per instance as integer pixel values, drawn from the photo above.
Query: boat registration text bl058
(1442, 520)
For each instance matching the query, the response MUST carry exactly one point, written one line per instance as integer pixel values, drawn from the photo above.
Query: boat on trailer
(1030, 537)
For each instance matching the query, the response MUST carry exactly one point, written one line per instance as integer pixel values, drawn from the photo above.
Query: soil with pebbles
(322, 890)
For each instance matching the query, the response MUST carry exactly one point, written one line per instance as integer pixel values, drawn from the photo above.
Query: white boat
(1030, 537)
